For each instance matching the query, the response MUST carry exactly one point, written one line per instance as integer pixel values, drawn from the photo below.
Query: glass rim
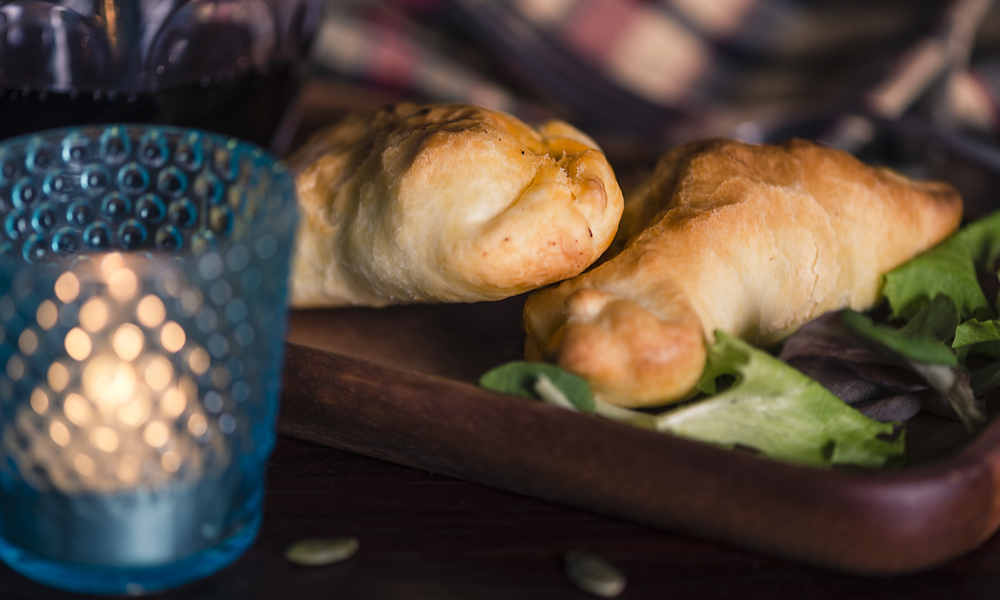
(133, 125)
(19, 150)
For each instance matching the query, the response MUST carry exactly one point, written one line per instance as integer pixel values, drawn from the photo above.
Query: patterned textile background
(670, 70)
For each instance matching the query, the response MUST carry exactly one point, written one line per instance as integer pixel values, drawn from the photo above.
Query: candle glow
(94, 314)
(151, 311)
(67, 287)
(78, 344)
(108, 381)
(47, 315)
(58, 376)
(134, 407)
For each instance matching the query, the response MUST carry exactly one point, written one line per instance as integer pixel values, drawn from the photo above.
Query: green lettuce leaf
(522, 378)
(977, 337)
(906, 343)
(776, 410)
(936, 321)
(948, 269)
(974, 332)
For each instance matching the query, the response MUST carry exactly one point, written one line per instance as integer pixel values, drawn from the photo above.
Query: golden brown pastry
(446, 203)
(750, 240)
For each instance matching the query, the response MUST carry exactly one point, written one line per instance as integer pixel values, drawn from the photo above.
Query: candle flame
(108, 381)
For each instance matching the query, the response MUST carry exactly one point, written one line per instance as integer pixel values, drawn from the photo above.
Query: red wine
(250, 105)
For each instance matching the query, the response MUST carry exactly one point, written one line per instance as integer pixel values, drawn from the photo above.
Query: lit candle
(139, 386)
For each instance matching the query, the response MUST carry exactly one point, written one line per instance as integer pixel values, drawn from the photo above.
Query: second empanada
(750, 240)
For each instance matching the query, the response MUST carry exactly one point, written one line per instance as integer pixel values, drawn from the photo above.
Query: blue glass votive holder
(143, 285)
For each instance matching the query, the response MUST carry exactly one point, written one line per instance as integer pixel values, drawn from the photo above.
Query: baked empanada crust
(446, 203)
(750, 240)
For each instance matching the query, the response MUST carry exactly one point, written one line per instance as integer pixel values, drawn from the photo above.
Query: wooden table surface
(426, 536)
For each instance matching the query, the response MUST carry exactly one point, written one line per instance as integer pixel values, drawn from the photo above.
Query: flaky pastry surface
(446, 203)
(750, 240)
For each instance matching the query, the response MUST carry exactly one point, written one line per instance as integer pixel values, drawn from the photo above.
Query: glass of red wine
(230, 66)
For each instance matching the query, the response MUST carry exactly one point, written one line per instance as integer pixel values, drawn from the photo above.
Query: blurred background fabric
(671, 70)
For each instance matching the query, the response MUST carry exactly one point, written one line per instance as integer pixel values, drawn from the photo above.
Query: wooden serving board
(398, 384)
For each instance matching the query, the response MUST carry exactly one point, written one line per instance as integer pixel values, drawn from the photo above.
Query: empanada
(446, 203)
(750, 240)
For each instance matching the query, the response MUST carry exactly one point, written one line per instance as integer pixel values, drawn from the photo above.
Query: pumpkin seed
(322, 551)
(593, 574)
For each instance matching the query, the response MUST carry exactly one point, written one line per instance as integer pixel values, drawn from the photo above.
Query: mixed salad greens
(839, 390)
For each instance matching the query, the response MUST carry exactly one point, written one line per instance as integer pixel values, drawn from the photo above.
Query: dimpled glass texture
(143, 285)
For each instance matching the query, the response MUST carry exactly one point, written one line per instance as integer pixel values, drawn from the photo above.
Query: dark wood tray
(398, 384)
